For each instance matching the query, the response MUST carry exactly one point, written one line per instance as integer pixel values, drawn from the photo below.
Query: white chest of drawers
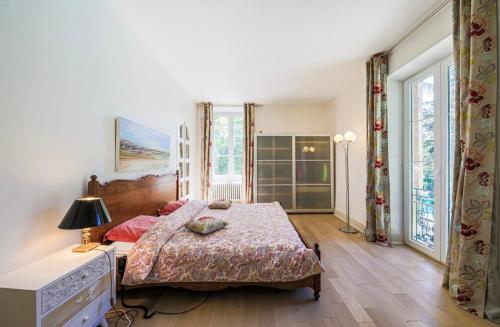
(64, 289)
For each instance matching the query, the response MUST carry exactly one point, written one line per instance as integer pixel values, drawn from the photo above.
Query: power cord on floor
(130, 315)
(118, 314)
(149, 315)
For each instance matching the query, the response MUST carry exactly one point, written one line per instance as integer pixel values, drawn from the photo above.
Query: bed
(259, 247)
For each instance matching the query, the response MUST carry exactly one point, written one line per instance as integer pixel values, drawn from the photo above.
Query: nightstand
(63, 289)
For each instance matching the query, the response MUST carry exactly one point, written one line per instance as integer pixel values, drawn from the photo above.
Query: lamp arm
(343, 147)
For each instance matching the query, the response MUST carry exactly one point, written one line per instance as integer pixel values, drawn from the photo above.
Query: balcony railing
(423, 217)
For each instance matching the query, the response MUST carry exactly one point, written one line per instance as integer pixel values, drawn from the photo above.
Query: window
(429, 124)
(228, 145)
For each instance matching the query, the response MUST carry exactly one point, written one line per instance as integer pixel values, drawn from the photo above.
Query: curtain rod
(234, 105)
(416, 27)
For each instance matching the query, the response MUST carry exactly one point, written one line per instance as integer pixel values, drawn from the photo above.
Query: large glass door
(423, 166)
(428, 158)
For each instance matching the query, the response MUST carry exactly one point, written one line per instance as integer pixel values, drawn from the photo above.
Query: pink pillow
(169, 208)
(131, 230)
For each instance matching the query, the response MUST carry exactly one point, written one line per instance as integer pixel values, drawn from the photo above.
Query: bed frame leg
(317, 278)
(317, 286)
(317, 251)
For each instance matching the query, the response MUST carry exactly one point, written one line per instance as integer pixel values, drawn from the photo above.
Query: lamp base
(85, 247)
(348, 230)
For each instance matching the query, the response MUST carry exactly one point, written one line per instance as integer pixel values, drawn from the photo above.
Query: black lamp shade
(85, 212)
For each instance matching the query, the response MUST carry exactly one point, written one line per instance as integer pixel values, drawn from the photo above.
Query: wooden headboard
(126, 199)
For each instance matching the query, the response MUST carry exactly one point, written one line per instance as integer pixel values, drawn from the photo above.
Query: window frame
(441, 137)
(230, 177)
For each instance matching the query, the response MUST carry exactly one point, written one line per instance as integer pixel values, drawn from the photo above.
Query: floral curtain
(378, 218)
(474, 37)
(492, 308)
(206, 110)
(249, 150)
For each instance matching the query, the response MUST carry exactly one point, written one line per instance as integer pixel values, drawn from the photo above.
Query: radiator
(230, 191)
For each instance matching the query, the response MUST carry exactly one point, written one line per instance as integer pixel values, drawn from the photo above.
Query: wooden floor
(364, 285)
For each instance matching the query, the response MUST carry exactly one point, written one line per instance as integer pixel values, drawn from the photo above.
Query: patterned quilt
(258, 245)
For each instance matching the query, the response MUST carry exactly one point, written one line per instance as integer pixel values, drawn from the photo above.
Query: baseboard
(354, 223)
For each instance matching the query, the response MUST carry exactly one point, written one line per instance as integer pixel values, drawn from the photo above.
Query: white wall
(395, 141)
(348, 113)
(292, 119)
(67, 70)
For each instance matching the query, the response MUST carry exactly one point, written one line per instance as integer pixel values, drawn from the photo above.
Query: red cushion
(131, 230)
(169, 208)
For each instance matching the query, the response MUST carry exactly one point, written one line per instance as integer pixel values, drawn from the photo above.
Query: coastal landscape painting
(139, 148)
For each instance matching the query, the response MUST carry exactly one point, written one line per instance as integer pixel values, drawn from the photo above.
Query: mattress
(123, 248)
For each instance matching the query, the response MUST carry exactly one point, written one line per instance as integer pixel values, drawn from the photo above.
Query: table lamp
(85, 213)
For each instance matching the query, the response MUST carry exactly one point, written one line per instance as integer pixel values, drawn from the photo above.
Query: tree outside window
(228, 146)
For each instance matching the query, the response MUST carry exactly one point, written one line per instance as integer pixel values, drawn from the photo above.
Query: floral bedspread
(258, 245)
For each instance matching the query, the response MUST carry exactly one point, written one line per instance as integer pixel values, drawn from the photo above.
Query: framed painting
(140, 148)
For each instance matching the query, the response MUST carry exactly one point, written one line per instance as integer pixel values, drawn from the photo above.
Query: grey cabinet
(295, 170)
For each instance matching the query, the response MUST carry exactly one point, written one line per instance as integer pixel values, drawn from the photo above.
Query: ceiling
(267, 51)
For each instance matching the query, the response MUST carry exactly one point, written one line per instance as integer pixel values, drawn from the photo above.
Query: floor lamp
(345, 140)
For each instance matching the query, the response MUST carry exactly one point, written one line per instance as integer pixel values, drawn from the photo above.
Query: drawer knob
(89, 294)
